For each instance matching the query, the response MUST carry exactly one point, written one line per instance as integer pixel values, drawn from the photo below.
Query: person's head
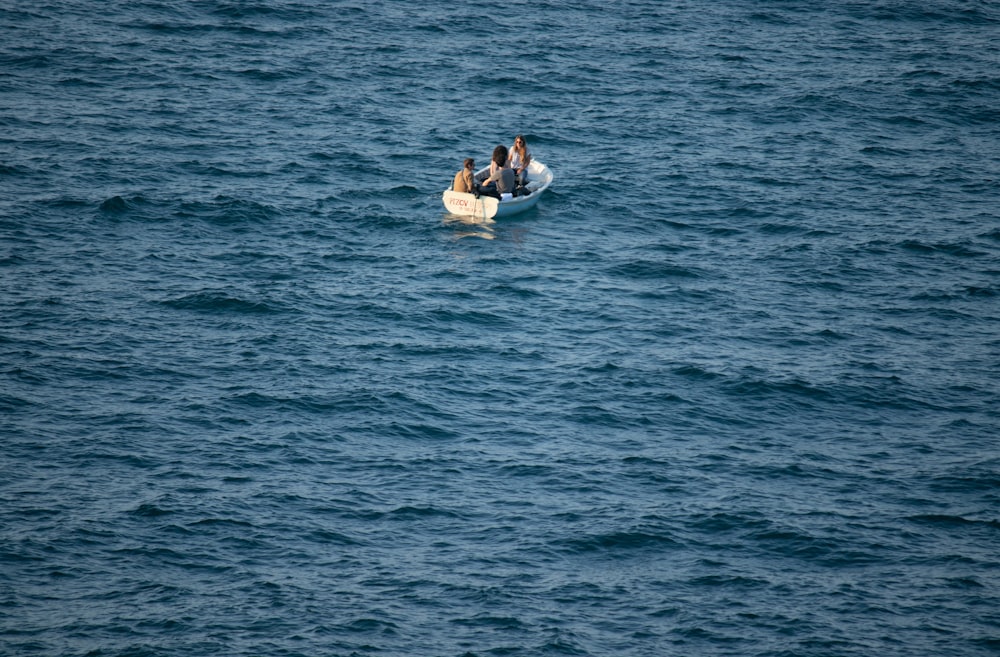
(469, 163)
(500, 155)
(520, 143)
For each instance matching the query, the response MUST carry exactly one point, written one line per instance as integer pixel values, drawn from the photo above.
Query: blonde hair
(523, 150)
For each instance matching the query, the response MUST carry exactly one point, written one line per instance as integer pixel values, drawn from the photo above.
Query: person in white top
(519, 159)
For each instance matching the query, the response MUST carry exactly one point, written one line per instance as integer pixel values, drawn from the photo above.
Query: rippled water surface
(731, 388)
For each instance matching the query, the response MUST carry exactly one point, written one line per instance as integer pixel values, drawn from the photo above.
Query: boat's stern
(469, 204)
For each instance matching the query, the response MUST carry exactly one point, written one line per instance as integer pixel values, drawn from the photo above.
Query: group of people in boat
(508, 173)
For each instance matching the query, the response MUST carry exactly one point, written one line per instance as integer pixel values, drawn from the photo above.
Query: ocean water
(731, 388)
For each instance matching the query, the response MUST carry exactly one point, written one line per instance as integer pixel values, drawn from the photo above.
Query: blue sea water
(731, 388)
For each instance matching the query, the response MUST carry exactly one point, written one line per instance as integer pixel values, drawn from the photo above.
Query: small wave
(66, 202)
(239, 170)
(729, 581)
(114, 205)
(267, 75)
(432, 27)
(370, 626)
(884, 150)
(261, 400)
(507, 289)
(780, 229)
(901, 120)
(226, 210)
(21, 374)
(221, 302)
(527, 470)
(765, 388)
(646, 269)
(491, 622)
(10, 403)
(327, 536)
(616, 542)
(420, 431)
(771, 18)
(986, 84)
(167, 27)
(243, 9)
(920, 13)
(990, 643)
(977, 291)
(79, 83)
(958, 250)
(473, 317)
(966, 484)
(722, 523)
(26, 61)
(949, 520)
(973, 291)
(14, 170)
(150, 511)
(221, 522)
(406, 513)
(802, 545)
(697, 373)
(923, 73)
(412, 512)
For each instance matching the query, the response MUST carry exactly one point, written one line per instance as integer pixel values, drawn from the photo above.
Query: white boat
(486, 207)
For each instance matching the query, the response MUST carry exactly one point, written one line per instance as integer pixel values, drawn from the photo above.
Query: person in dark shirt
(501, 181)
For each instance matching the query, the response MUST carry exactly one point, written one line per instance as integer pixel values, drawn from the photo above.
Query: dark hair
(468, 162)
(500, 155)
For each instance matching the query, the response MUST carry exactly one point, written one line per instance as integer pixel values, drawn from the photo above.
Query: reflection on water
(467, 226)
